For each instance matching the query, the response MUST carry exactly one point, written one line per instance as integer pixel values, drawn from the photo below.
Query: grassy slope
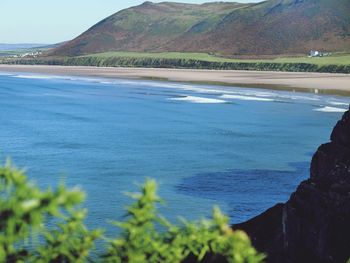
(269, 28)
(147, 27)
(336, 59)
(338, 63)
(277, 27)
(162, 55)
(339, 59)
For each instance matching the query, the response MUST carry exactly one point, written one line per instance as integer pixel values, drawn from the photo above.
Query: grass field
(337, 63)
(336, 59)
(165, 55)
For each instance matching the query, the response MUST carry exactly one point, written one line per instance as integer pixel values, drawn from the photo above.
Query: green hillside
(272, 28)
(336, 59)
(147, 27)
(337, 63)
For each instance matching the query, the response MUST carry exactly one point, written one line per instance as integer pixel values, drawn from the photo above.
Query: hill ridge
(272, 27)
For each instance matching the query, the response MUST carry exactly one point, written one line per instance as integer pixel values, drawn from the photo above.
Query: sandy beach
(308, 82)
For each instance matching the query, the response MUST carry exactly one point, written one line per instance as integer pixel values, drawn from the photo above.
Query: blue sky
(53, 21)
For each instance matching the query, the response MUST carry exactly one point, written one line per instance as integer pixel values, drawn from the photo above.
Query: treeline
(180, 63)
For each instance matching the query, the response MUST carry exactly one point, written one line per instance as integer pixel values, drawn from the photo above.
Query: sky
(54, 21)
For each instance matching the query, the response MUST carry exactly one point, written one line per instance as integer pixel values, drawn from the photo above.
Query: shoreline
(323, 83)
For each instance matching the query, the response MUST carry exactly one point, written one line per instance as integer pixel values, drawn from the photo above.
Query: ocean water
(243, 149)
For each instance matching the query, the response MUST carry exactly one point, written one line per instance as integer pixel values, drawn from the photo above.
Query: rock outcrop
(314, 225)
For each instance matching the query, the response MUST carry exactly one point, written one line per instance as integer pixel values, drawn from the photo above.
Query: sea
(242, 149)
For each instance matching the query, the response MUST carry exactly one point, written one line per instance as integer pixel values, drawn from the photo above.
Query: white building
(315, 53)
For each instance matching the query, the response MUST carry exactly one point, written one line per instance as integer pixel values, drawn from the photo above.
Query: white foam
(34, 77)
(154, 84)
(70, 78)
(194, 99)
(338, 103)
(263, 94)
(274, 94)
(242, 97)
(228, 93)
(331, 109)
(177, 86)
(247, 92)
(199, 89)
(5, 74)
(298, 97)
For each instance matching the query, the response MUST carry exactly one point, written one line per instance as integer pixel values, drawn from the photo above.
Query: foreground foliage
(48, 226)
(25, 212)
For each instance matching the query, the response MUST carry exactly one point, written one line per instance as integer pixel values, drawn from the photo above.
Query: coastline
(328, 83)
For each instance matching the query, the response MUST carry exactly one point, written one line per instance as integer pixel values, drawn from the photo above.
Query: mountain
(271, 27)
(148, 27)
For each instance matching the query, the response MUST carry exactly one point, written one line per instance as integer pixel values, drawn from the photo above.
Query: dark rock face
(314, 225)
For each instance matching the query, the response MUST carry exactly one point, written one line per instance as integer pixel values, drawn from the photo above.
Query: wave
(294, 97)
(338, 103)
(246, 94)
(233, 93)
(178, 86)
(106, 82)
(242, 97)
(34, 77)
(194, 99)
(330, 109)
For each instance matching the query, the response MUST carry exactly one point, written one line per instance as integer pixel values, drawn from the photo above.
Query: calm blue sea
(240, 148)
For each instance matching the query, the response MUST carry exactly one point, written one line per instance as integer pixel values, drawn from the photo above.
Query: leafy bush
(24, 214)
(47, 226)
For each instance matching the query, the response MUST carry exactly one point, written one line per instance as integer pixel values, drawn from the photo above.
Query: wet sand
(309, 82)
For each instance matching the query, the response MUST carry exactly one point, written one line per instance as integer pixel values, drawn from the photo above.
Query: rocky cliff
(314, 225)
